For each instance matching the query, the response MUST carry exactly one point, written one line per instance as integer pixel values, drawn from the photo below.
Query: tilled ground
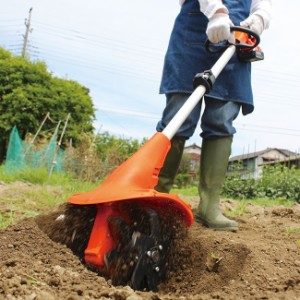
(260, 261)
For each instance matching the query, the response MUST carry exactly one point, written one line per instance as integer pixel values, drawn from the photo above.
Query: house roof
(285, 152)
(192, 146)
(295, 158)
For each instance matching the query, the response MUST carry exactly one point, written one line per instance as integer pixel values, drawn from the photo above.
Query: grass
(293, 231)
(267, 202)
(32, 192)
(290, 231)
(241, 208)
(188, 191)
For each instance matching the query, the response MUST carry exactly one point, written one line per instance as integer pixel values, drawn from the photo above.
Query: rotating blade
(140, 258)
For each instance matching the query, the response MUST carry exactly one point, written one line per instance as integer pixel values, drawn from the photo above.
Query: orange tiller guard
(134, 180)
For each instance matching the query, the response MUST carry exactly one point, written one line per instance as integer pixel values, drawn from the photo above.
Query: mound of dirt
(260, 261)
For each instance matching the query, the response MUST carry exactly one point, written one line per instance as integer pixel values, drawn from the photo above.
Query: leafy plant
(183, 180)
(240, 210)
(277, 182)
(97, 156)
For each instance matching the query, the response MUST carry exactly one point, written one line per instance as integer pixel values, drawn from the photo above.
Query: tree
(114, 150)
(28, 92)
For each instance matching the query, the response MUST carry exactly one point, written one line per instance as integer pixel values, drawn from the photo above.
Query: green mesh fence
(21, 154)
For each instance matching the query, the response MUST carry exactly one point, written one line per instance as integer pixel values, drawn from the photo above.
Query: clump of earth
(260, 261)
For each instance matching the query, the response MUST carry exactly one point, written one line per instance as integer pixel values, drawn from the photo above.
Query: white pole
(222, 61)
(173, 126)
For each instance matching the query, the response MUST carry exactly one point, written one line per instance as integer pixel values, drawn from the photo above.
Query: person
(185, 57)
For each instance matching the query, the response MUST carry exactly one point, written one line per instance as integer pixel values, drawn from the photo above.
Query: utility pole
(28, 29)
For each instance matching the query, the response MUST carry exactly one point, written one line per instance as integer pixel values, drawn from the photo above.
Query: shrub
(183, 180)
(277, 182)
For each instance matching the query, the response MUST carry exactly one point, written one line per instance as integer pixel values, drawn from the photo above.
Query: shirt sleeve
(263, 8)
(209, 7)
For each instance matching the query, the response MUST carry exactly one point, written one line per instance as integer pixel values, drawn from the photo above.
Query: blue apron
(186, 56)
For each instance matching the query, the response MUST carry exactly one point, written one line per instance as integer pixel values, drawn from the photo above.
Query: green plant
(290, 231)
(215, 256)
(5, 219)
(183, 180)
(96, 156)
(32, 192)
(267, 202)
(293, 231)
(240, 210)
(277, 182)
(186, 191)
(28, 91)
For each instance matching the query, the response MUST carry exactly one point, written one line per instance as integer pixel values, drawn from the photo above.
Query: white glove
(218, 28)
(254, 22)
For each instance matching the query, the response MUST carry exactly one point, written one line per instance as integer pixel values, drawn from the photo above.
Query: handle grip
(245, 39)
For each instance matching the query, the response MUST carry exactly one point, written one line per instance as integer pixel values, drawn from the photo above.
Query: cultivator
(134, 226)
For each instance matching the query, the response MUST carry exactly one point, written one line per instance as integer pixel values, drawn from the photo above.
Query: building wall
(192, 149)
(193, 152)
(273, 154)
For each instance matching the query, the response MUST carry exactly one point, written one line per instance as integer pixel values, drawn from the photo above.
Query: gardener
(185, 57)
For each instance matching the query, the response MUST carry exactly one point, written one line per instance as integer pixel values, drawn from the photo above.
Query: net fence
(23, 154)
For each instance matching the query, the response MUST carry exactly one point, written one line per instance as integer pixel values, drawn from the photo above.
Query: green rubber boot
(213, 166)
(169, 170)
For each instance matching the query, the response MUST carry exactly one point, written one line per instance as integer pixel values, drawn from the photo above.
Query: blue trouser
(216, 120)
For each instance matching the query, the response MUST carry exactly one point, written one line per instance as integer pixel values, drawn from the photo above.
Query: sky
(116, 49)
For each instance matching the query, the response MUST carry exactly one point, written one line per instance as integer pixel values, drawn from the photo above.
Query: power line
(109, 41)
(271, 82)
(96, 38)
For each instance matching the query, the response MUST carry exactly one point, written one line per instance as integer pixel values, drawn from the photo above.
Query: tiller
(129, 215)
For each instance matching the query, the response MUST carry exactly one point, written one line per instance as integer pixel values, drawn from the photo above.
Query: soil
(260, 261)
